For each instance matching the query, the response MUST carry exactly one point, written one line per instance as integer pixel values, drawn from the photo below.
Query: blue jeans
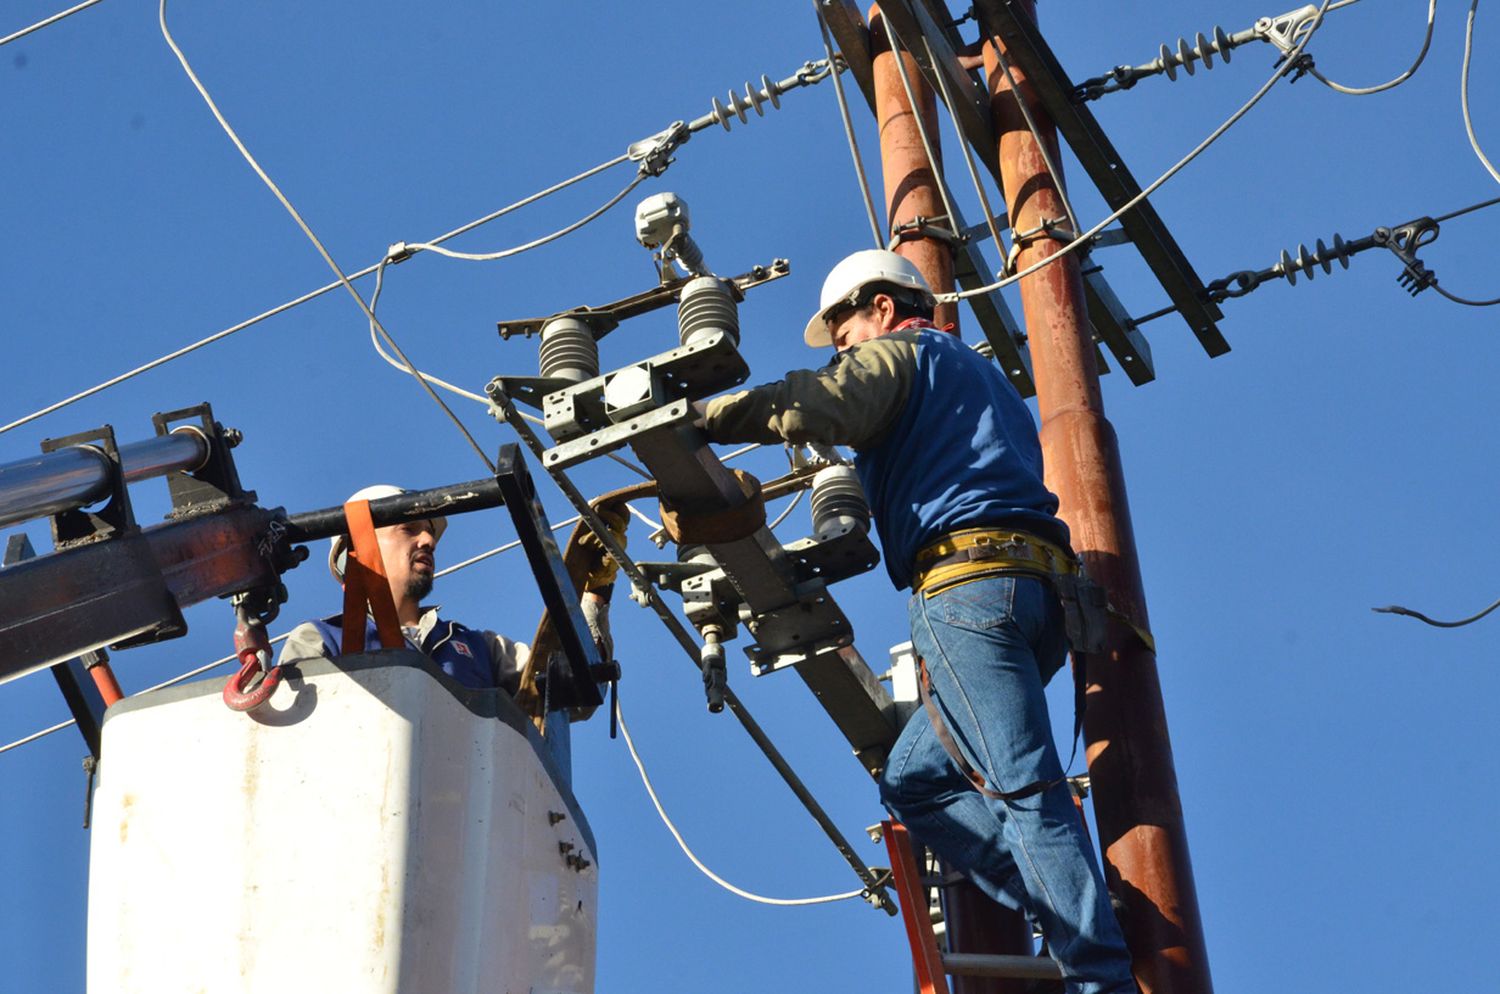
(989, 646)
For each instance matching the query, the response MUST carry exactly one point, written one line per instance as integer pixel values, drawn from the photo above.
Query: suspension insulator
(568, 350)
(705, 307)
(838, 502)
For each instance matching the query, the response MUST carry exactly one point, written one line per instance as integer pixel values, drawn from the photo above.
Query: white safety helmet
(856, 272)
(340, 543)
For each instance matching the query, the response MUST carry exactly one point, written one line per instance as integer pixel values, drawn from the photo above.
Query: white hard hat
(375, 492)
(856, 272)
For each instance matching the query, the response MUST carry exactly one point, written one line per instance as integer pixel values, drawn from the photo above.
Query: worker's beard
(418, 587)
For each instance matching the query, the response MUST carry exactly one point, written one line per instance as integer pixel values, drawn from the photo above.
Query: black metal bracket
(570, 680)
(85, 703)
(115, 518)
(607, 317)
(217, 481)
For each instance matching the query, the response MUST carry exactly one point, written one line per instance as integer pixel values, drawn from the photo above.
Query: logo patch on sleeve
(462, 649)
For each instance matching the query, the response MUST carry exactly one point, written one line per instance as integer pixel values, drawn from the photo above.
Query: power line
(1463, 92)
(1360, 91)
(859, 164)
(1084, 239)
(916, 117)
(306, 230)
(46, 21)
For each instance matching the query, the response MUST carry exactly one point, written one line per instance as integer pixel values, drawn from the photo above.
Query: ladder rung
(996, 965)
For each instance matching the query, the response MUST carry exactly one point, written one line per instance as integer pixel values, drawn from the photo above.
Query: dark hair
(909, 303)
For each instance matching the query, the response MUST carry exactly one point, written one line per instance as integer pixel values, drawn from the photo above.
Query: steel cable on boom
(317, 244)
(859, 165)
(44, 22)
(1285, 66)
(681, 844)
(1463, 92)
(1360, 91)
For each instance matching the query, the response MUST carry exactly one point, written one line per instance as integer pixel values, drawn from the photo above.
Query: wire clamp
(655, 153)
(1404, 240)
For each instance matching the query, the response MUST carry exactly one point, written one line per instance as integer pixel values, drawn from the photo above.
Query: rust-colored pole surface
(1137, 809)
(910, 187)
(974, 923)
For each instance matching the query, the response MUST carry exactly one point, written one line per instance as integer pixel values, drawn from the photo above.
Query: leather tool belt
(977, 553)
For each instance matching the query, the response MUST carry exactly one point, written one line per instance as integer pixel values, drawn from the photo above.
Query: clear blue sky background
(1341, 456)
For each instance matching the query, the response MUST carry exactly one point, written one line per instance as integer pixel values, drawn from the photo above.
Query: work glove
(596, 615)
(602, 566)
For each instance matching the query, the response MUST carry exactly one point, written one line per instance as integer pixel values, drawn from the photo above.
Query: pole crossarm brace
(1030, 52)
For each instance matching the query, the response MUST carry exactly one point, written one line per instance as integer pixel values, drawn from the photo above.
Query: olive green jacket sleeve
(852, 401)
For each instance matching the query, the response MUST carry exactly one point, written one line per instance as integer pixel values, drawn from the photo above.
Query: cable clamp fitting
(924, 227)
(1404, 240)
(655, 153)
(398, 252)
(1286, 32)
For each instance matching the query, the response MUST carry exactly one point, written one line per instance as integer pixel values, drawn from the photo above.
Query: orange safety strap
(365, 583)
(927, 960)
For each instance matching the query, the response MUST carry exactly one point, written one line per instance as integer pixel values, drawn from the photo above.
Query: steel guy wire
(46, 21)
(859, 165)
(916, 116)
(1360, 91)
(681, 844)
(1086, 237)
(1463, 92)
(317, 244)
(1036, 135)
(984, 200)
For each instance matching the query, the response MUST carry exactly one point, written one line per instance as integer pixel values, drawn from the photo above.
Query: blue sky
(1340, 457)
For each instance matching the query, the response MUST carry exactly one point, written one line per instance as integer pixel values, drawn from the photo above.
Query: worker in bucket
(948, 455)
(476, 659)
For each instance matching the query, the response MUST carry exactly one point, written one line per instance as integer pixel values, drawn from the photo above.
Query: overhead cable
(46, 21)
(1463, 92)
(916, 117)
(859, 165)
(681, 844)
(317, 244)
(1360, 91)
(1086, 238)
(1036, 135)
(1408, 612)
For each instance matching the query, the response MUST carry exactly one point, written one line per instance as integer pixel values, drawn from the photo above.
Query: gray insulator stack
(838, 502)
(568, 350)
(706, 307)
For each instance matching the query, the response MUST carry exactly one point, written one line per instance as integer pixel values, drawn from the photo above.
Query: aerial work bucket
(373, 828)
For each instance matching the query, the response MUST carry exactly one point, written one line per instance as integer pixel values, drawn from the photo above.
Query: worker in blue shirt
(948, 456)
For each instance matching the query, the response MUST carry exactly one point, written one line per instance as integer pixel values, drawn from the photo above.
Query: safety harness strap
(365, 583)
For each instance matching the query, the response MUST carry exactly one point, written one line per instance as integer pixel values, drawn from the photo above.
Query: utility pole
(972, 922)
(1137, 809)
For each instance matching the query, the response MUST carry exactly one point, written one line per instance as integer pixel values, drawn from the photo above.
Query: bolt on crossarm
(1137, 808)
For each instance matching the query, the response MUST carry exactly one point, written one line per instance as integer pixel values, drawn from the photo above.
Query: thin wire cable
(516, 250)
(1464, 300)
(1408, 612)
(317, 244)
(453, 388)
(681, 844)
(1467, 210)
(1284, 67)
(1463, 92)
(1052, 170)
(796, 499)
(984, 200)
(916, 116)
(45, 22)
(1360, 91)
(225, 333)
(838, 91)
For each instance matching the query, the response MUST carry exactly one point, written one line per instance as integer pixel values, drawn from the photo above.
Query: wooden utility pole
(1137, 810)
